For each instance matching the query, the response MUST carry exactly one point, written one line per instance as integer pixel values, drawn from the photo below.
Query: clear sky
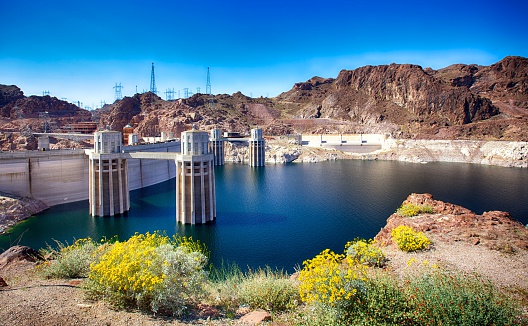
(78, 50)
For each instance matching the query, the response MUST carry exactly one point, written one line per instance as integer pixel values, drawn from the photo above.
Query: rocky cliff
(407, 101)
(15, 209)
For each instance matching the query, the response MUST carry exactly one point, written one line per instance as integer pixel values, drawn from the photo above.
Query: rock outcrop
(13, 210)
(9, 94)
(495, 230)
(17, 254)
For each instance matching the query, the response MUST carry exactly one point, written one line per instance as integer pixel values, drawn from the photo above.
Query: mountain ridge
(461, 101)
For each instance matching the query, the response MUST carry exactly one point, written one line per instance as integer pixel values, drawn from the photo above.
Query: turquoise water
(280, 215)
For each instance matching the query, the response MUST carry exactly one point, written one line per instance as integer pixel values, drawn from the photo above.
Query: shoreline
(496, 153)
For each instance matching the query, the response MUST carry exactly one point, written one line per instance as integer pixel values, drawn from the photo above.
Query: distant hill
(407, 101)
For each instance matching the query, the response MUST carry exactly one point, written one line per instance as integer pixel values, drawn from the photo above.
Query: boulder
(18, 254)
(256, 317)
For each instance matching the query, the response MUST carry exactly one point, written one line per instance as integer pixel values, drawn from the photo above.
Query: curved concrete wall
(61, 176)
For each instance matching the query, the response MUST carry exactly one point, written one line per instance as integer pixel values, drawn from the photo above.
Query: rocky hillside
(460, 101)
(407, 101)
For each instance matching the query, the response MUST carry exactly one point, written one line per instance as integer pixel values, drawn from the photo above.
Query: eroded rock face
(13, 210)
(449, 223)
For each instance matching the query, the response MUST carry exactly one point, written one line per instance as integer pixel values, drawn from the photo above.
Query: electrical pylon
(153, 88)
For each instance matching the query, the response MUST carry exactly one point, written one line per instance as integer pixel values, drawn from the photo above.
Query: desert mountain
(407, 101)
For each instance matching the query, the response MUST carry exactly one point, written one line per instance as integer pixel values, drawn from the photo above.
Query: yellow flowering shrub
(365, 252)
(149, 269)
(330, 278)
(410, 210)
(409, 240)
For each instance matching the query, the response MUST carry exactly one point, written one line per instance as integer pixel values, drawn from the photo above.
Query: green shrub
(222, 288)
(382, 303)
(410, 210)
(409, 240)
(365, 252)
(446, 298)
(266, 289)
(427, 209)
(68, 261)
(432, 297)
(150, 271)
(269, 290)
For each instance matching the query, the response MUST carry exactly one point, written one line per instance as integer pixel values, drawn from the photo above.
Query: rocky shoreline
(15, 209)
(498, 153)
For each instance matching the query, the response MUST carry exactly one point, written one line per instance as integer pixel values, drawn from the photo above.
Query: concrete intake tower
(195, 184)
(108, 191)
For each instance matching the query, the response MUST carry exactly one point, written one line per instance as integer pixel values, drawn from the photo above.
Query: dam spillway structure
(195, 184)
(257, 153)
(108, 176)
(216, 143)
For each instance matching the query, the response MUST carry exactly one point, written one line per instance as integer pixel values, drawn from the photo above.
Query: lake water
(281, 215)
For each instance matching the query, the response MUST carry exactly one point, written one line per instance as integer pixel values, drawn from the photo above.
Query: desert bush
(222, 288)
(365, 252)
(448, 298)
(410, 210)
(409, 240)
(150, 271)
(382, 303)
(68, 261)
(427, 209)
(268, 289)
(264, 288)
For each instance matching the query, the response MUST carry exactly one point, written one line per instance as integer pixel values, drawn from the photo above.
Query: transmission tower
(118, 94)
(198, 90)
(153, 88)
(208, 89)
(185, 93)
(44, 116)
(44, 93)
(169, 94)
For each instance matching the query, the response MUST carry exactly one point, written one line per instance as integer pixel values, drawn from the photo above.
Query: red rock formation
(495, 230)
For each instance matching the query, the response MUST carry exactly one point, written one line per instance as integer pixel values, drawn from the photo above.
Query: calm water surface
(280, 215)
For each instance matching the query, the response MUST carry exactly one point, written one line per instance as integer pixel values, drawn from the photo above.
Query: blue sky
(78, 50)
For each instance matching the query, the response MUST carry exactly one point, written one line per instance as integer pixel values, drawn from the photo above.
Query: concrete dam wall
(61, 176)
